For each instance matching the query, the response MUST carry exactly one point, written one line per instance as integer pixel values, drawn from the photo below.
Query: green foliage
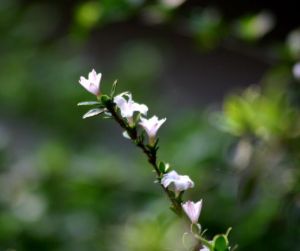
(88, 14)
(65, 186)
(164, 167)
(262, 115)
(253, 27)
(220, 243)
(208, 28)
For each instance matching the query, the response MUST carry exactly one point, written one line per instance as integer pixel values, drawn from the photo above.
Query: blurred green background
(222, 73)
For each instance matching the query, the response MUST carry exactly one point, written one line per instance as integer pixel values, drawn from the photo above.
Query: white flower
(180, 182)
(296, 70)
(204, 248)
(151, 127)
(192, 210)
(92, 84)
(128, 106)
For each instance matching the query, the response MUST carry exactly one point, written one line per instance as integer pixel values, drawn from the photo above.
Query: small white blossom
(92, 84)
(180, 182)
(128, 106)
(204, 248)
(192, 210)
(296, 70)
(151, 127)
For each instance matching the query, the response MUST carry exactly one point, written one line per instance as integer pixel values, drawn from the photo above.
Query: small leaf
(105, 99)
(163, 167)
(88, 103)
(126, 135)
(107, 115)
(113, 89)
(93, 112)
(220, 243)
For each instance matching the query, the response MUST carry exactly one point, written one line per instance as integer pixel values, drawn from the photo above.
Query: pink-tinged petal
(94, 89)
(120, 101)
(128, 107)
(192, 210)
(84, 82)
(143, 109)
(93, 76)
(180, 182)
(152, 125)
(92, 84)
(159, 123)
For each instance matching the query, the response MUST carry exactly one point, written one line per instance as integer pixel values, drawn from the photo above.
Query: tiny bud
(92, 83)
(105, 99)
(151, 127)
(192, 210)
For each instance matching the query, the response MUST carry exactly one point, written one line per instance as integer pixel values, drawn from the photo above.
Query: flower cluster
(126, 105)
(131, 116)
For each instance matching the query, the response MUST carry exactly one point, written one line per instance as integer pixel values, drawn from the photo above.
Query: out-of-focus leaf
(253, 27)
(88, 14)
(208, 28)
(293, 43)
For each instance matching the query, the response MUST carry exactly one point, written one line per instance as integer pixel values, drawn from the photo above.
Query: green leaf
(107, 115)
(163, 167)
(220, 243)
(105, 99)
(93, 112)
(253, 27)
(88, 103)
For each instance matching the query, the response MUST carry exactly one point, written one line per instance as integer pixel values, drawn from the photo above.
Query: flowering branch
(129, 115)
(149, 150)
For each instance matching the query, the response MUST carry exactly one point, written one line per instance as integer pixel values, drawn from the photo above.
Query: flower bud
(92, 84)
(105, 99)
(151, 127)
(192, 210)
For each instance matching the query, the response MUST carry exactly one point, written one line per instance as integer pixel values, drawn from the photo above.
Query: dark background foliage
(221, 72)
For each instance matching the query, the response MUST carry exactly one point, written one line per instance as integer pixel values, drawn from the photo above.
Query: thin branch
(150, 153)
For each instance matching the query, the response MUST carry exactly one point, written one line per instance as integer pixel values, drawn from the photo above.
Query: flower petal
(92, 84)
(181, 182)
(192, 210)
